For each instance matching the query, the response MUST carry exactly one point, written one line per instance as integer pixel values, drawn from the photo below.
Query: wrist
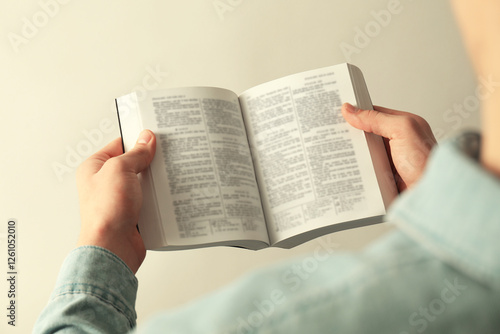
(129, 247)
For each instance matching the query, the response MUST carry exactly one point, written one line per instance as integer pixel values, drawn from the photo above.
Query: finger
(141, 155)
(113, 149)
(390, 111)
(416, 118)
(377, 122)
(94, 163)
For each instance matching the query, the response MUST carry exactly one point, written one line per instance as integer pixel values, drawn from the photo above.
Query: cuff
(95, 271)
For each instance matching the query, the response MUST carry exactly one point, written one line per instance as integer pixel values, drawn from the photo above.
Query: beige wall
(58, 82)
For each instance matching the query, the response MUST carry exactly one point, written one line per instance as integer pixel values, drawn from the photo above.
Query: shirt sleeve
(95, 293)
(394, 286)
(410, 281)
(454, 211)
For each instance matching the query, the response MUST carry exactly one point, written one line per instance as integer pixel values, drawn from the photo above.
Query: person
(438, 273)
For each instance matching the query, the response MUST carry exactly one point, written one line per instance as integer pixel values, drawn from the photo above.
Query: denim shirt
(438, 273)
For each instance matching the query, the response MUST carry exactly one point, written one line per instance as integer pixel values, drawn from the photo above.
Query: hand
(408, 139)
(111, 198)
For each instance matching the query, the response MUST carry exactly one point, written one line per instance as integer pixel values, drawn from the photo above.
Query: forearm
(95, 293)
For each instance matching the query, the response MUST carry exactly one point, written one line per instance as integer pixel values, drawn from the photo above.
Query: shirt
(438, 273)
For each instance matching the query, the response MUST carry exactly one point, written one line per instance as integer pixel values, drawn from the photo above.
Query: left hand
(111, 198)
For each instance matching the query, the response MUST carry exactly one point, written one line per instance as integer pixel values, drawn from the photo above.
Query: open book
(275, 166)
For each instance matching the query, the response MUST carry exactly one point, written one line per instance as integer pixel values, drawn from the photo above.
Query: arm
(95, 293)
(453, 209)
(96, 287)
(352, 293)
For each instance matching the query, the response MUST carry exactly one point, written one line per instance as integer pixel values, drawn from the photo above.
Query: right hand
(408, 139)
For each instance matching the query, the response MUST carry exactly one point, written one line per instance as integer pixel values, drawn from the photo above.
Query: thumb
(141, 155)
(381, 123)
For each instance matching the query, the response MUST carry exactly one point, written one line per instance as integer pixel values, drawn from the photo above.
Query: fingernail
(144, 137)
(350, 108)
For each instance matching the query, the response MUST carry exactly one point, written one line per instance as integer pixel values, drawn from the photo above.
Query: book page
(203, 173)
(313, 168)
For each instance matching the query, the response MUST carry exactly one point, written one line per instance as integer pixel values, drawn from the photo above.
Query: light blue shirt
(439, 273)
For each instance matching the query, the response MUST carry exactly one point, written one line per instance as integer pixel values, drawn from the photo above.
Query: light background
(59, 84)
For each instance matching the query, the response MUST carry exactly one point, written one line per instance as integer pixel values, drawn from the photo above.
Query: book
(276, 165)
